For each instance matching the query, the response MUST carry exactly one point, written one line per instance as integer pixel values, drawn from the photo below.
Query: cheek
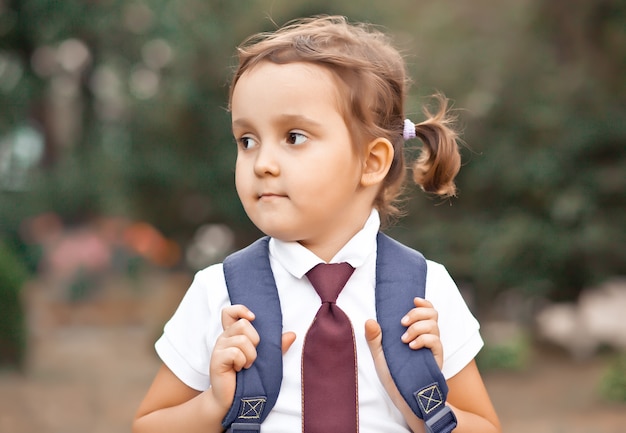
(240, 180)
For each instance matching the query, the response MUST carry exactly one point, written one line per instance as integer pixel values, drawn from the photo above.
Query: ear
(377, 161)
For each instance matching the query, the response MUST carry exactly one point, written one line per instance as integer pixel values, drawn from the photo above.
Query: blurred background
(116, 185)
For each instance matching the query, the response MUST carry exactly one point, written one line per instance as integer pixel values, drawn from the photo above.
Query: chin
(281, 236)
(279, 233)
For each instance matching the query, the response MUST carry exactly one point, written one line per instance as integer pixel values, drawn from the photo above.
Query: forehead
(291, 85)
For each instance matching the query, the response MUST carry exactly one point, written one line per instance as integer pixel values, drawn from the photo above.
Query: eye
(246, 142)
(296, 138)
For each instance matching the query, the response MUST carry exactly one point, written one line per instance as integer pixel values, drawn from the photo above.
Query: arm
(170, 405)
(468, 398)
(467, 395)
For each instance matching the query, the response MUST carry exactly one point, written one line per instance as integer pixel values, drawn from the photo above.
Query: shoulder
(206, 294)
(458, 328)
(441, 289)
(189, 335)
(437, 271)
(210, 274)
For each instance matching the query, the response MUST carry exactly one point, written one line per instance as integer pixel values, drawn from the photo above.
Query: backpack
(400, 277)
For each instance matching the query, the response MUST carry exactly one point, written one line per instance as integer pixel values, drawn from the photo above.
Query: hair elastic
(409, 130)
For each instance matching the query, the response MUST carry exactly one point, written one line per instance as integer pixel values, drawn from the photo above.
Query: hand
(234, 350)
(374, 337)
(422, 329)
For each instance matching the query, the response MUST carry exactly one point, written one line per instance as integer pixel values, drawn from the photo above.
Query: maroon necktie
(329, 375)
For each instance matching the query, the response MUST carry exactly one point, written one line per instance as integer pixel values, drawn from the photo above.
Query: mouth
(270, 195)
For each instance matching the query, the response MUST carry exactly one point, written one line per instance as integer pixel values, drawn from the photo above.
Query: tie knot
(328, 279)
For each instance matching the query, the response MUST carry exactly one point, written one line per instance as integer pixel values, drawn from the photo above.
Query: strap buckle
(242, 427)
(443, 421)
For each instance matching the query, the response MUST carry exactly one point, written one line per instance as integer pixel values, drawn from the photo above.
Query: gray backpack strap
(400, 277)
(250, 282)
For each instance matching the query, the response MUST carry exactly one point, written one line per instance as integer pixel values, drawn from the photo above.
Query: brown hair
(372, 82)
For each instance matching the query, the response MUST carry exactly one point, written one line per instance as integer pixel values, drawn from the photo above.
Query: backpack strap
(400, 277)
(258, 386)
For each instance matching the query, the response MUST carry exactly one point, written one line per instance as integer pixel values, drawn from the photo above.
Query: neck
(328, 247)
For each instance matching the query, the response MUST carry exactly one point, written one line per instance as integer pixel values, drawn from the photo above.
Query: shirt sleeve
(458, 328)
(189, 336)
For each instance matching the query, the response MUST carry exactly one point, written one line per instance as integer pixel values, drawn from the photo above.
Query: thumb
(374, 336)
(287, 340)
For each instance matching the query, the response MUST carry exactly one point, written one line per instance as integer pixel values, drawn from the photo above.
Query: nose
(266, 162)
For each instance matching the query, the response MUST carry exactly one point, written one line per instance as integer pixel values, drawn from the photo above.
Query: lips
(270, 195)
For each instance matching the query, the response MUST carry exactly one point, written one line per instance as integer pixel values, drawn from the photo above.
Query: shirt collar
(298, 260)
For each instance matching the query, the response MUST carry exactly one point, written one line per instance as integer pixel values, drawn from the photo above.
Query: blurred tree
(130, 102)
(12, 323)
(541, 205)
(119, 107)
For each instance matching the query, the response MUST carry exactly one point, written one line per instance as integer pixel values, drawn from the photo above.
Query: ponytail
(439, 161)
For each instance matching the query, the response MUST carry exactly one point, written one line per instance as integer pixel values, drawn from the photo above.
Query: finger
(420, 313)
(230, 357)
(373, 333)
(431, 342)
(240, 359)
(240, 349)
(419, 328)
(421, 302)
(287, 340)
(374, 337)
(233, 313)
(242, 328)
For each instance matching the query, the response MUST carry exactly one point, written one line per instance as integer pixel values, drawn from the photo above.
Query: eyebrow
(240, 123)
(282, 119)
(298, 118)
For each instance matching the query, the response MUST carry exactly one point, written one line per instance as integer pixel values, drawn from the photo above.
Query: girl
(318, 115)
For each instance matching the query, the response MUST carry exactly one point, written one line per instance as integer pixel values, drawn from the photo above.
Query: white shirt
(190, 335)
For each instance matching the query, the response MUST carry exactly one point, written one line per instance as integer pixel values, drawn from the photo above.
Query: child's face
(297, 174)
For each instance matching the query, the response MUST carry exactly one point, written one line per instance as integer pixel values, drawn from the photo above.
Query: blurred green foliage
(12, 322)
(513, 355)
(119, 108)
(613, 382)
